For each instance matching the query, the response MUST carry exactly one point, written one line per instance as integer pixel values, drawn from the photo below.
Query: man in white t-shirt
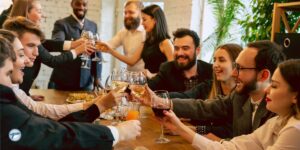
(133, 35)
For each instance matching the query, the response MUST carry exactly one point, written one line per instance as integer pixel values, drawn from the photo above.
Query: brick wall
(108, 14)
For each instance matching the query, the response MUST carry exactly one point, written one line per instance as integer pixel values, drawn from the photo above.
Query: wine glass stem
(162, 131)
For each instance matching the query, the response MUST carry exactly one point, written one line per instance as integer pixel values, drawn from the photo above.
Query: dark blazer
(42, 133)
(4, 15)
(69, 75)
(172, 79)
(30, 73)
(235, 107)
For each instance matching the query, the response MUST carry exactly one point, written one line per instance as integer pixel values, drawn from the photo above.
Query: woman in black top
(157, 48)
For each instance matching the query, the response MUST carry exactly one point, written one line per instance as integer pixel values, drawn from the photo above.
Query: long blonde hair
(21, 8)
(233, 50)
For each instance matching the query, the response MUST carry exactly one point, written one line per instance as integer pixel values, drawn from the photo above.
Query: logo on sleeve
(14, 135)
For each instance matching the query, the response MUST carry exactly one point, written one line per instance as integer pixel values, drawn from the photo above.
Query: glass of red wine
(159, 103)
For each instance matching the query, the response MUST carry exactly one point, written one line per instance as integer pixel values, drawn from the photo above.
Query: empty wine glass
(160, 103)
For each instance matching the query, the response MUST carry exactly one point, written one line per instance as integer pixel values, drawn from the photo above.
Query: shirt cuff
(75, 107)
(115, 134)
(200, 142)
(74, 54)
(67, 45)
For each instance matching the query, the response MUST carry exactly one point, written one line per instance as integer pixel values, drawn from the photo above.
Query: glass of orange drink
(133, 111)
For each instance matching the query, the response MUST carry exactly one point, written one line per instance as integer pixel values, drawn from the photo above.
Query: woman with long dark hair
(157, 48)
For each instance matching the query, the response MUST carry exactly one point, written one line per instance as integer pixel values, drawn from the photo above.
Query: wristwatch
(201, 130)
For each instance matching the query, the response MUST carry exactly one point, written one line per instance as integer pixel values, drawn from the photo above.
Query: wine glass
(118, 80)
(96, 38)
(137, 83)
(84, 57)
(137, 86)
(159, 103)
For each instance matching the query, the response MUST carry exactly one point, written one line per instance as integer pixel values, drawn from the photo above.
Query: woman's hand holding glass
(103, 47)
(160, 104)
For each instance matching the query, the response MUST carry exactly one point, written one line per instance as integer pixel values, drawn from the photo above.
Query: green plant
(225, 13)
(257, 24)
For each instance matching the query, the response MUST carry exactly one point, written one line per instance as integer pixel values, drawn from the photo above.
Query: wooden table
(150, 127)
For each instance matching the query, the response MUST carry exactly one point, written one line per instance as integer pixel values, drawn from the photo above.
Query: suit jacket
(70, 76)
(42, 133)
(172, 79)
(30, 73)
(4, 15)
(235, 107)
(200, 91)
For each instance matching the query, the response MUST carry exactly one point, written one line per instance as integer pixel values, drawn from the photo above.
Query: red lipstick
(268, 99)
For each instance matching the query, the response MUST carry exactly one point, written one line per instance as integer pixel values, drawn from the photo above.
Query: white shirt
(255, 105)
(267, 137)
(52, 111)
(130, 41)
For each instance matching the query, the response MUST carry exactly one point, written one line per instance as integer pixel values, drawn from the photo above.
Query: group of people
(248, 99)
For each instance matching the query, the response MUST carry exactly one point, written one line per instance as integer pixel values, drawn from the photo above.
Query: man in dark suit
(185, 71)
(72, 76)
(31, 36)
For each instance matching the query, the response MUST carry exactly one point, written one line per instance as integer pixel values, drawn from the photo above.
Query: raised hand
(109, 100)
(129, 130)
(103, 47)
(145, 99)
(86, 47)
(76, 43)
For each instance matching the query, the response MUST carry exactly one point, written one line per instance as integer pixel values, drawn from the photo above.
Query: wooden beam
(296, 26)
(276, 21)
(285, 22)
(291, 4)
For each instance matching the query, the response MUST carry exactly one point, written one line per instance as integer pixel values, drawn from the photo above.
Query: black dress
(153, 57)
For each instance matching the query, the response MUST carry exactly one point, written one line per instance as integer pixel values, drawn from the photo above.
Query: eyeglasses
(238, 67)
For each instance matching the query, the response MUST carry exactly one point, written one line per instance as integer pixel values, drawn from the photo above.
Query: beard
(189, 65)
(78, 15)
(132, 23)
(248, 87)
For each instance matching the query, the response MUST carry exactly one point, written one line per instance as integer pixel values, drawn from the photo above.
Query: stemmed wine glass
(160, 103)
(118, 80)
(84, 57)
(137, 83)
(96, 38)
(137, 86)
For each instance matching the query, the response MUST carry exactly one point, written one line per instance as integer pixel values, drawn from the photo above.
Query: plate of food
(79, 98)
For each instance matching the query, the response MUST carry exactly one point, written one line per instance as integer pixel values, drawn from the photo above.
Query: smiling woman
(7, 56)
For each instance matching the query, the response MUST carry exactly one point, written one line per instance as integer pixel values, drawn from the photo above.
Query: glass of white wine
(138, 82)
(118, 81)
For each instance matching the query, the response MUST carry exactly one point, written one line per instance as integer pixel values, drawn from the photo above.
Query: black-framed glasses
(238, 67)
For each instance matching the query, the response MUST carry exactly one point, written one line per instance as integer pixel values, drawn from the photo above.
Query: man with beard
(76, 76)
(246, 106)
(133, 35)
(185, 71)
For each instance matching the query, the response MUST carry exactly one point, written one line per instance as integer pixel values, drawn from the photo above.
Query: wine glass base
(162, 140)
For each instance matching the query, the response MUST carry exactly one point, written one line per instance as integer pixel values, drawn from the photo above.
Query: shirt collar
(255, 103)
(140, 28)
(81, 22)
